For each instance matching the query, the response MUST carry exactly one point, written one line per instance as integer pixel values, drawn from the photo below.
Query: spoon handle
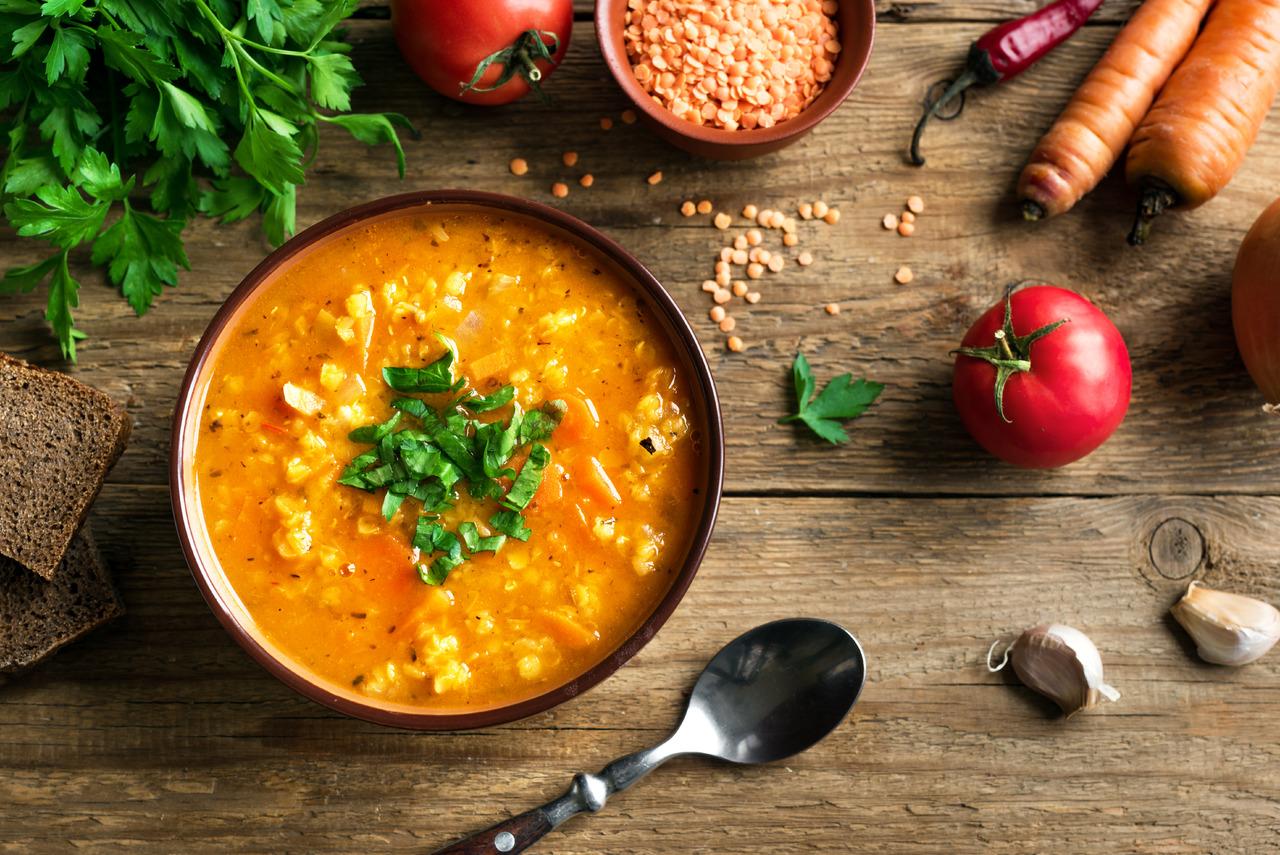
(588, 793)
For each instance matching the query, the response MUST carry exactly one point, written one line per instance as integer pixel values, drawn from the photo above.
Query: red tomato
(1066, 387)
(446, 41)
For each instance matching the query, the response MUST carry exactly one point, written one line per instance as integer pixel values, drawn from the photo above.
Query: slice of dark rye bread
(39, 616)
(58, 440)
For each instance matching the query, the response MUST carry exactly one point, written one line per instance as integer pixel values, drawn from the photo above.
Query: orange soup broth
(332, 583)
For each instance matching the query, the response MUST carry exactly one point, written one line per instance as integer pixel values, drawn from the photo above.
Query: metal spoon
(770, 693)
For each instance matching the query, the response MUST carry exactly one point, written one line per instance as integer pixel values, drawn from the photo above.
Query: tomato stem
(519, 57)
(1011, 353)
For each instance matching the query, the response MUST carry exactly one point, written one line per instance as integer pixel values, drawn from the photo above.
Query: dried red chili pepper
(1007, 51)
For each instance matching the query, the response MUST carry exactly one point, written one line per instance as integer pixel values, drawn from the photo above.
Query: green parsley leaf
(68, 55)
(510, 523)
(58, 8)
(374, 128)
(126, 52)
(64, 295)
(840, 400)
(142, 254)
(530, 477)
(23, 280)
(231, 199)
(436, 377)
(391, 503)
(272, 158)
(99, 177)
(475, 543)
(332, 78)
(59, 215)
(483, 404)
(279, 215)
(373, 434)
(70, 122)
(25, 37)
(538, 425)
(28, 174)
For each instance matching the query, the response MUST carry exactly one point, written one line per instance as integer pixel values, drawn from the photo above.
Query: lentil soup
(332, 583)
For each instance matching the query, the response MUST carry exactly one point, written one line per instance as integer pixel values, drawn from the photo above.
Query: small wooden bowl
(857, 22)
(207, 570)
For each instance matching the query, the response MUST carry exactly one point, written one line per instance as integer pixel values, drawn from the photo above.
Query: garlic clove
(1229, 629)
(1061, 663)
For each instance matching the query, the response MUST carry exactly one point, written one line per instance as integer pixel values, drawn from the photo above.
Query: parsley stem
(230, 35)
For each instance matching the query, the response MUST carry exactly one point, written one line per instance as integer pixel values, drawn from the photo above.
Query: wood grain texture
(159, 730)
(160, 735)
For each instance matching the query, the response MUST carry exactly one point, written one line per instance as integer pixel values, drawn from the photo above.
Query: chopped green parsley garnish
(428, 454)
(840, 400)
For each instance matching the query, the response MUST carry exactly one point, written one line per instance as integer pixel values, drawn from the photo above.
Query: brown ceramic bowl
(857, 22)
(217, 589)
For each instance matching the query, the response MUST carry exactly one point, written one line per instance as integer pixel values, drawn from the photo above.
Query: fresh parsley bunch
(123, 119)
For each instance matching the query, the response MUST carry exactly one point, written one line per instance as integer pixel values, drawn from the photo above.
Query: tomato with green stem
(493, 52)
(1051, 394)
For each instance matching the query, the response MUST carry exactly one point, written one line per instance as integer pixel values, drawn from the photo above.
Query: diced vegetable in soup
(447, 460)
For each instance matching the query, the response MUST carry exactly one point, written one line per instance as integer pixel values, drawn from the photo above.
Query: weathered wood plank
(158, 733)
(1194, 409)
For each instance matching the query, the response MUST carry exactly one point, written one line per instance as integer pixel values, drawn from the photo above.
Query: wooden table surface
(160, 735)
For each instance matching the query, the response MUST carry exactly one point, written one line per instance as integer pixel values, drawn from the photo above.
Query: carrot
(1091, 133)
(595, 482)
(1209, 113)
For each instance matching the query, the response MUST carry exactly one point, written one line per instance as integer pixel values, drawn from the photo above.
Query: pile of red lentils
(746, 251)
(732, 64)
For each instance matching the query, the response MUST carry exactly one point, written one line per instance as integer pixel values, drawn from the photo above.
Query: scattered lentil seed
(722, 267)
(587, 180)
(908, 217)
(820, 209)
(519, 166)
(728, 324)
(726, 253)
(570, 158)
(750, 211)
(687, 209)
(789, 225)
(710, 286)
(722, 296)
(904, 275)
(755, 270)
(754, 254)
(739, 288)
(890, 222)
(655, 178)
(790, 239)
(754, 237)
(704, 207)
(915, 204)
(906, 229)
(722, 278)
(559, 189)
(805, 210)
(735, 344)
(805, 259)
(740, 257)
(717, 313)
(775, 263)
(763, 256)
(723, 221)
(753, 297)
(606, 123)
(740, 242)
(762, 218)
(628, 117)
(777, 219)
(832, 217)
(832, 308)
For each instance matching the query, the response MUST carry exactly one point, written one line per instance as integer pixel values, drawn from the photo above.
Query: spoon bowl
(770, 693)
(775, 691)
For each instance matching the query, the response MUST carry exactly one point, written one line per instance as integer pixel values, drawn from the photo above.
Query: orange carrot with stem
(1209, 113)
(1091, 133)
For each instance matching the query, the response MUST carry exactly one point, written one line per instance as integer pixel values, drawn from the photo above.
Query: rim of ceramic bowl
(688, 353)
(854, 54)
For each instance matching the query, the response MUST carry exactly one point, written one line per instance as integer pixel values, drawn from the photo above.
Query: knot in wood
(1177, 548)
